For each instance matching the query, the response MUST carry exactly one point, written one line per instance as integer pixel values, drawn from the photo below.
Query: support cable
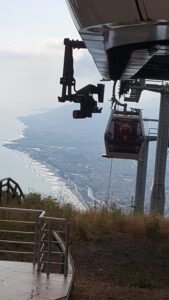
(139, 10)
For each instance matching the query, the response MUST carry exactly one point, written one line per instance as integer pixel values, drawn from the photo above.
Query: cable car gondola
(124, 135)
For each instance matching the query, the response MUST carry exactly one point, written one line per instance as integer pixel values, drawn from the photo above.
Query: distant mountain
(74, 148)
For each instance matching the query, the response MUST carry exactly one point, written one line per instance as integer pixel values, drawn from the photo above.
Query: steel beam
(157, 201)
(141, 178)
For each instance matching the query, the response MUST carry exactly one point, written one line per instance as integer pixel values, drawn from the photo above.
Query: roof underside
(127, 39)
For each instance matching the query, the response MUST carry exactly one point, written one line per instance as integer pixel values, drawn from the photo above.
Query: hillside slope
(121, 267)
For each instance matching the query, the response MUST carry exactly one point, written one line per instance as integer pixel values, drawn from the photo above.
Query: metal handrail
(11, 186)
(45, 237)
(72, 266)
(41, 234)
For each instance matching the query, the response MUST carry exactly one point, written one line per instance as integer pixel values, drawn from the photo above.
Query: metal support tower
(157, 201)
(141, 175)
(141, 178)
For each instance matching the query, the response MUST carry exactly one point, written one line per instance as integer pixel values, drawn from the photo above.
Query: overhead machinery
(129, 43)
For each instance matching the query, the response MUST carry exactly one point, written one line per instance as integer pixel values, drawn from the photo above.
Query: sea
(31, 175)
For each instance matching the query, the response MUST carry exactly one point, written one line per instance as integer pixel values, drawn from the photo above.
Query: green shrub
(141, 280)
(93, 224)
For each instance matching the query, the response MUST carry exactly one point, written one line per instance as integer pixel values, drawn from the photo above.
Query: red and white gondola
(124, 135)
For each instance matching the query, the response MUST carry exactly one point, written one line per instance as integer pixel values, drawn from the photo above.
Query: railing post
(49, 248)
(8, 186)
(35, 259)
(66, 249)
(39, 245)
(0, 192)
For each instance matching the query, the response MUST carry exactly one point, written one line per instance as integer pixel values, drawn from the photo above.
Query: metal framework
(141, 175)
(10, 186)
(157, 201)
(29, 234)
(84, 96)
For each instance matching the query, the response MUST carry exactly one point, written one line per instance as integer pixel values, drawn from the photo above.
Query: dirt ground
(121, 267)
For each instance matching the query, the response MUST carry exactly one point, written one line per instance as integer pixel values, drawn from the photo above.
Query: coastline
(72, 152)
(58, 185)
(32, 175)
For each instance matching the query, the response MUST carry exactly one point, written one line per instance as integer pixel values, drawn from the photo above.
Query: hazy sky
(31, 54)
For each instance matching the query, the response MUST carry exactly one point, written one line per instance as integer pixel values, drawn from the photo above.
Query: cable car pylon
(141, 176)
(157, 200)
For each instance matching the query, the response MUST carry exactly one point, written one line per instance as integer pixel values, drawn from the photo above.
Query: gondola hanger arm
(84, 96)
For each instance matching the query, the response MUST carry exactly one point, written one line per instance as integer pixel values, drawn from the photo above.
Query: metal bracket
(84, 96)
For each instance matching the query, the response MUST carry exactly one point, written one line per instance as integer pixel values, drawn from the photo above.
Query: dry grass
(93, 224)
